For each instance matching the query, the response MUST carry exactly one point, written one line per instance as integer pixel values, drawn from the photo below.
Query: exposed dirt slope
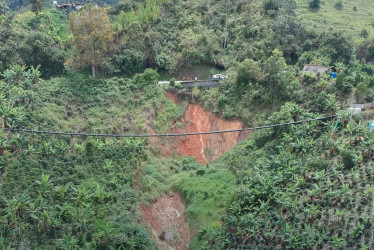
(165, 219)
(204, 148)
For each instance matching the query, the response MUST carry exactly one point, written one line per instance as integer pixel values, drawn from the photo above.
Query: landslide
(204, 148)
(167, 223)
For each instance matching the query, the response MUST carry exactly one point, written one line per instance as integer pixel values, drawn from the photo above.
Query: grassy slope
(206, 191)
(346, 19)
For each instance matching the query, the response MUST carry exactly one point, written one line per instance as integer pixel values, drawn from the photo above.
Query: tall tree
(92, 38)
(36, 6)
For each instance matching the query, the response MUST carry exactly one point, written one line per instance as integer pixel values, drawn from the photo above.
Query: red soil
(172, 96)
(207, 148)
(165, 219)
(204, 148)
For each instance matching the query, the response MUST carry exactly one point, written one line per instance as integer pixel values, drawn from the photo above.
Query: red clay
(165, 219)
(172, 96)
(204, 148)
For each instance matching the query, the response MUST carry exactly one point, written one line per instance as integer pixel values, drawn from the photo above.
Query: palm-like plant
(339, 214)
(81, 194)
(44, 185)
(337, 243)
(61, 191)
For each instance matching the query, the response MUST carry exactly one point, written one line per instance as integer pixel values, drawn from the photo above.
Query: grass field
(346, 19)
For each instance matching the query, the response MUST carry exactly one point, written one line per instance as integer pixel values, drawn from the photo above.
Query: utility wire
(165, 135)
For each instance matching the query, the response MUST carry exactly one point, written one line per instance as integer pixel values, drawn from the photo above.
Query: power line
(165, 135)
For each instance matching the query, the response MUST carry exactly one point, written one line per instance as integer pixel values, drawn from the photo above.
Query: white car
(220, 77)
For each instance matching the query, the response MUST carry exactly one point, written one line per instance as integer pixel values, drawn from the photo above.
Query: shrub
(339, 5)
(344, 83)
(319, 164)
(348, 158)
(172, 82)
(271, 6)
(314, 4)
(200, 172)
(364, 33)
(309, 78)
(355, 8)
(178, 85)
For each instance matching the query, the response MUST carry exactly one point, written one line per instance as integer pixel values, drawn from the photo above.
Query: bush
(200, 172)
(271, 5)
(314, 4)
(355, 8)
(348, 158)
(344, 83)
(172, 82)
(309, 78)
(319, 164)
(178, 85)
(147, 78)
(364, 33)
(339, 5)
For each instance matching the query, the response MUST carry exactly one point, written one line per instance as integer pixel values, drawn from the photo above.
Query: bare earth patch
(165, 219)
(204, 148)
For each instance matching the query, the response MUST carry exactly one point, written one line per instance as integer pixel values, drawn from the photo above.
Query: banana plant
(62, 147)
(338, 215)
(44, 185)
(81, 194)
(61, 191)
(100, 193)
(368, 193)
(337, 242)
(108, 166)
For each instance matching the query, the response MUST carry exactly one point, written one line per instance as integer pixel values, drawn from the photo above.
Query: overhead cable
(16, 130)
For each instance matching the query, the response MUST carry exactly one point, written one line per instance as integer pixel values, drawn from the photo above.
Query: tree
(36, 6)
(92, 38)
(38, 48)
(249, 71)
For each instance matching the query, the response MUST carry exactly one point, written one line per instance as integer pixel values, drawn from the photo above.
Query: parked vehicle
(219, 77)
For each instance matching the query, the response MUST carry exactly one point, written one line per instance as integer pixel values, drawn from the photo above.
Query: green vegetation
(302, 186)
(331, 14)
(311, 186)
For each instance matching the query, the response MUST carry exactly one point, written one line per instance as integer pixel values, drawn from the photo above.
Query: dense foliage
(312, 186)
(303, 186)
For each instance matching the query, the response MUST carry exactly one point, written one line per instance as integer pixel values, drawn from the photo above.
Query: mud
(166, 222)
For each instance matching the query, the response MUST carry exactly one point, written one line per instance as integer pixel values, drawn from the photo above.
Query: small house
(315, 69)
(69, 6)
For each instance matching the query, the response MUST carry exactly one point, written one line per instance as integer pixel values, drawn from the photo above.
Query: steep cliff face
(204, 148)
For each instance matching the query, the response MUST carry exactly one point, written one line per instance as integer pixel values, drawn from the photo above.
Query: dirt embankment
(204, 148)
(165, 219)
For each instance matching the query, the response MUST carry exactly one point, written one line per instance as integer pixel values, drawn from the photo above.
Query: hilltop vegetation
(302, 186)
